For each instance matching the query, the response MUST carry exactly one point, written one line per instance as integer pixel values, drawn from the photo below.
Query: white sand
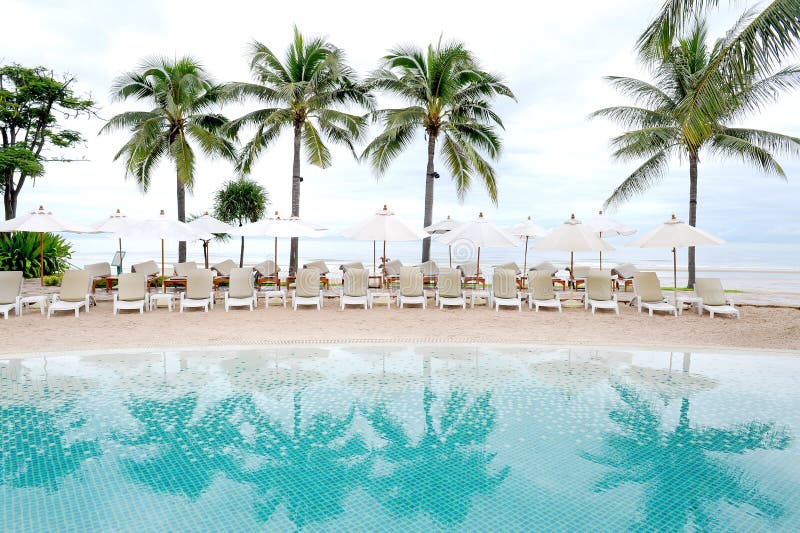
(759, 328)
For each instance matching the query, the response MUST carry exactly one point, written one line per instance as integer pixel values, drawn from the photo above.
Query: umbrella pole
(275, 256)
(525, 261)
(675, 276)
(120, 254)
(163, 277)
(41, 258)
(478, 267)
(450, 253)
(601, 253)
(374, 262)
(384, 263)
(205, 252)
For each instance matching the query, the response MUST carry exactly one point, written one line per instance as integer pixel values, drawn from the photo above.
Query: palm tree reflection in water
(681, 470)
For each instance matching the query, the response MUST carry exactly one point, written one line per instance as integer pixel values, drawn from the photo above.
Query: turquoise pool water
(365, 438)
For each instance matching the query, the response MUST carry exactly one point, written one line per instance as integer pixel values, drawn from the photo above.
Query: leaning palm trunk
(692, 213)
(429, 177)
(295, 196)
(182, 217)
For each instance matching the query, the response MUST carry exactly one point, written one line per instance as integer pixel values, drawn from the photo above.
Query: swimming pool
(400, 438)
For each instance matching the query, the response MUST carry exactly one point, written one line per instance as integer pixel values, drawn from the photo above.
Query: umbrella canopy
(573, 236)
(118, 223)
(207, 223)
(529, 230)
(164, 228)
(675, 234)
(41, 221)
(441, 227)
(384, 226)
(280, 227)
(606, 226)
(480, 233)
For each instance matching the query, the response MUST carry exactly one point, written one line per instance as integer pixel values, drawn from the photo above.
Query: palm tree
(308, 93)
(665, 125)
(682, 471)
(183, 99)
(240, 200)
(448, 95)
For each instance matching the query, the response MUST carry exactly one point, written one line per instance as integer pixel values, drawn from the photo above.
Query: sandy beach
(766, 327)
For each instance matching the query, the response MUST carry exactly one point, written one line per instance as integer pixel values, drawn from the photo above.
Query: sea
(741, 265)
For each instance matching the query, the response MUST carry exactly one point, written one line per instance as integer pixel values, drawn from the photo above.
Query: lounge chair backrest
(10, 286)
(598, 285)
(75, 285)
(99, 269)
(581, 272)
(183, 269)
(266, 268)
(131, 287)
(647, 287)
(550, 268)
(711, 291)
(199, 283)
(411, 281)
(307, 283)
(504, 283)
(355, 282)
(625, 270)
(393, 267)
(319, 265)
(352, 266)
(241, 283)
(429, 268)
(224, 268)
(511, 266)
(540, 284)
(148, 268)
(449, 284)
(469, 270)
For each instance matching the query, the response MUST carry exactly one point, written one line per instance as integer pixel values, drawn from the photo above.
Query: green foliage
(449, 95)
(32, 101)
(239, 201)
(20, 251)
(54, 280)
(308, 92)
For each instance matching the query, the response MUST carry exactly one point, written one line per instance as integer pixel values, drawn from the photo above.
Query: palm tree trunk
(426, 243)
(182, 218)
(692, 212)
(295, 196)
(9, 200)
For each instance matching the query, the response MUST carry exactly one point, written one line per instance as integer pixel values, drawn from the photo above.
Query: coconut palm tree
(241, 200)
(308, 92)
(183, 101)
(450, 99)
(664, 124)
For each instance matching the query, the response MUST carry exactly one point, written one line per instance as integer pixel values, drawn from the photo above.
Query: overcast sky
(553, 56)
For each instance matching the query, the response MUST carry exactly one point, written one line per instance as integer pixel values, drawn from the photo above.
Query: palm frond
(316, 151)
(644, 142)
(768, 140)
(629, 116)
(640, 180)
(183, 156)
(387, 146)
(730, 146)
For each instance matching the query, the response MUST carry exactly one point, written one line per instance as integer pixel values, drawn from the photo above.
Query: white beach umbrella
(280, 227)
(164, 228)
(208, 224)
(442, 227)
(117, 223)
(41, 221)
(480, 233)
(529, 230)
(675, 234)
(606, 226)
(384, 226)
(572, 236)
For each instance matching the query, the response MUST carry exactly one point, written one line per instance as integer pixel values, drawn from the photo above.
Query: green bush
(20, 251)
(54, 280)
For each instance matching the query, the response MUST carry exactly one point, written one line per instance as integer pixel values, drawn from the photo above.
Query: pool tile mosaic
(426, 438)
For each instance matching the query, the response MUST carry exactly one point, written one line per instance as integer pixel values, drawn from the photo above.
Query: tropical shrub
(20, 251)
(53, 280)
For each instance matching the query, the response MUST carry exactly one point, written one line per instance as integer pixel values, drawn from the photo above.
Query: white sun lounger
(647, 293)
(714, 300)
(411, 288)
(75, 292)
(10, 292)
(199, 290)
(598, 292)
(131, 292)
(541, 293)
(448, 290)
(355, 283)
(241, 292)
(504, 289)
(307, 291)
